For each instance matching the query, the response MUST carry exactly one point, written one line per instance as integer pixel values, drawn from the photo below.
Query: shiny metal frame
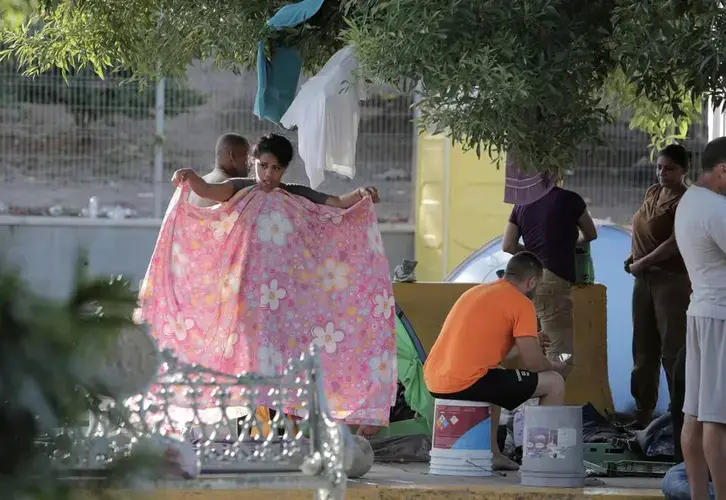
(202, 406)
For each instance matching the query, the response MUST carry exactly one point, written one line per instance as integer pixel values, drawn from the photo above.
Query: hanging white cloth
(326, 112)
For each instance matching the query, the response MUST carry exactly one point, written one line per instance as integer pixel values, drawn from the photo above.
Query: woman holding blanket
(252, 282)
(272, 155)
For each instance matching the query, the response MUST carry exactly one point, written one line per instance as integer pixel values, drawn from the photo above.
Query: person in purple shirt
(551, 228)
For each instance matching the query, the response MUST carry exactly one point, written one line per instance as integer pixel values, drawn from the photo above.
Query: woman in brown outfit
(662, 289)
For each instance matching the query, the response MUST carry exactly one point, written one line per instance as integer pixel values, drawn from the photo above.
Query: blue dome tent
(608, 253)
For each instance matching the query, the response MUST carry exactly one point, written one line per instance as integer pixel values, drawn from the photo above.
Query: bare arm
(510, 241)
(220, 192)
(513, 353)
(350, 199)
(588, 232)
(662, 252)
(530, 352)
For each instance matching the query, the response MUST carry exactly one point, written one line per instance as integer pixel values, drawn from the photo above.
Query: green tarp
(410, 375)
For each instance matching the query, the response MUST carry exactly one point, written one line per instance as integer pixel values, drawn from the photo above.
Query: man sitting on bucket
(487, 324)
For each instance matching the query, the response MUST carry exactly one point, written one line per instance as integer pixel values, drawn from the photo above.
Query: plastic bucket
(552, 453)
(461, 443)
(518, 421)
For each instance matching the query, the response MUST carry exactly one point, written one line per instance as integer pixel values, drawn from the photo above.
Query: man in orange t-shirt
(487, 324)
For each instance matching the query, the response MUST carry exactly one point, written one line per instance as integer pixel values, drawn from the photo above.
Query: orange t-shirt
(477, 335)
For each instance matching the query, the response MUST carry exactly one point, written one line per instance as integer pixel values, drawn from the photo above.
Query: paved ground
(405, 482)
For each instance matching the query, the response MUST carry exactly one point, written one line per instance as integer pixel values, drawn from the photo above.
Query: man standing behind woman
(231, 160)
(661, 291)
(551, 228)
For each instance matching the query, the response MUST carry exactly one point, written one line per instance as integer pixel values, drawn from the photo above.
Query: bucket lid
(457, 402)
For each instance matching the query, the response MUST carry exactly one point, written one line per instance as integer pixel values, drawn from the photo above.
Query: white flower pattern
(334, 275)
(382, 367)
(270, 295)
(224, 225)
(269, 361)
(375, 241)
(273, 227)
(178, 260)
(328, 337)
(384, 305)
(178, 326)
(231, 284)
(331, 218)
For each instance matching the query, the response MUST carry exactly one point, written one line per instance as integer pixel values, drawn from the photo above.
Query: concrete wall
(44, 249)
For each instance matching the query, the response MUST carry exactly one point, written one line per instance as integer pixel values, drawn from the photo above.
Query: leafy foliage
(531, 87)
(42, 384)
(14, 12)
(663, 122)
(672, 49)
(152, 37)
(89, 98)
(533, 77)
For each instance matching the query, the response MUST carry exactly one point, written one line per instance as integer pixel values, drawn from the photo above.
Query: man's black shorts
(505, 388)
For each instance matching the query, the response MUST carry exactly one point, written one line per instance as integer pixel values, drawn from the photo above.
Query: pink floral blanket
(248, 284)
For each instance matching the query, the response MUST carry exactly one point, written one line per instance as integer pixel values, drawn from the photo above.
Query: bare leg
(550, 389)
(367, 431)
(696, 466)
(714, 448)
(499, 461)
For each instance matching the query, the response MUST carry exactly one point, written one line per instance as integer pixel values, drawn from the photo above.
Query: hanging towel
(523, 188)
(278, 77)
(248, 284)
(326, 113)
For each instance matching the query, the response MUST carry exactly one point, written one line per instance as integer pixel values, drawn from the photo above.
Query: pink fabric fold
(249, 284)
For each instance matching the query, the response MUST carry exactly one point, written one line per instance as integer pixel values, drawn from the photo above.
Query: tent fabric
(411, 334)
(410, 359)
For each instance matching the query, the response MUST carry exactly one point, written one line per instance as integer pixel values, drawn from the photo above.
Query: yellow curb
(371, 492)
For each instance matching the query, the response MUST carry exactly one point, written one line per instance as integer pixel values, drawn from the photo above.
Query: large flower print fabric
(251, 283)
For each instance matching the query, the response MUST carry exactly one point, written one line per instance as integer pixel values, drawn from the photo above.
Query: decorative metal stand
(216, 413)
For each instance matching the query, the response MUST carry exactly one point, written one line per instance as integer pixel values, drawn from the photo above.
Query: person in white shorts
(700, 229)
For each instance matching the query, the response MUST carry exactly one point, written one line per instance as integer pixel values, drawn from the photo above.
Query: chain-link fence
(613, 177)
(63, 143)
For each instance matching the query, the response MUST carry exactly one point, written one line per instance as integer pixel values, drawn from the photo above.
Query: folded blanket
(249, 284)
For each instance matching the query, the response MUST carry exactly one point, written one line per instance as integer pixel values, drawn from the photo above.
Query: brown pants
(553, 301)
(660, 300)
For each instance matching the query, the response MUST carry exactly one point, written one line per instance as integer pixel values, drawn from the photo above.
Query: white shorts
(706, 369)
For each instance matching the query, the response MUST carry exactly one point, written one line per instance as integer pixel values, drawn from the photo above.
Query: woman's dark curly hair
(277, 145)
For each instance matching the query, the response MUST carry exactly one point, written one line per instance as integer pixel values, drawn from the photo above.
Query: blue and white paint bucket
(461, 443)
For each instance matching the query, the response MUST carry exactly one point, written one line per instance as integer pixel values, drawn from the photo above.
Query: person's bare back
(231, 157)
(215, 176)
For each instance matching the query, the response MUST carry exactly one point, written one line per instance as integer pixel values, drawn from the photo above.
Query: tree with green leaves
(13, 13)
(537, 78)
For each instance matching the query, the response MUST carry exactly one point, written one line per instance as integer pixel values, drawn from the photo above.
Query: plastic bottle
(93, 207)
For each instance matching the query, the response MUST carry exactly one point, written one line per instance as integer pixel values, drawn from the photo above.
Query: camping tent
(413, 413)
(608, 253)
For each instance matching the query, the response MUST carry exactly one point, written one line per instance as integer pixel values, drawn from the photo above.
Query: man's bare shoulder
(215, 176)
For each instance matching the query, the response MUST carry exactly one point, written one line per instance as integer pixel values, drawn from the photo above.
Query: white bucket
(518, 424)
(461, 443)
(553, 454)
